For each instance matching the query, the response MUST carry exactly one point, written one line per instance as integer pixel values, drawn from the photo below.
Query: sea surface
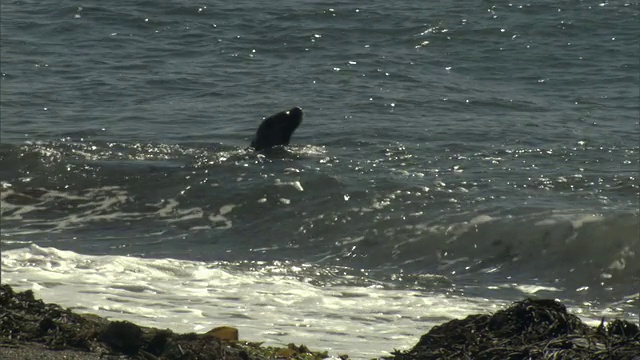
(454, 156)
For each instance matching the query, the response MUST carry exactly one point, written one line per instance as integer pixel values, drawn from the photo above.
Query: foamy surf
(271, 306)
(277, 302)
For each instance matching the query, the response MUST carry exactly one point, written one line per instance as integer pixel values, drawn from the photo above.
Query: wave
(399, 217)
(276, 301)
(273, 302)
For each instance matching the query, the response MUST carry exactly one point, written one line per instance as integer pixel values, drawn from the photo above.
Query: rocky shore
(529, 329)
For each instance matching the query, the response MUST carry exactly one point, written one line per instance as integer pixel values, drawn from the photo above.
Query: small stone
(224, 333)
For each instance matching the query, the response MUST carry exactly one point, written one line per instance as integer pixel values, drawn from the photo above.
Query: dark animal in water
(277, 129)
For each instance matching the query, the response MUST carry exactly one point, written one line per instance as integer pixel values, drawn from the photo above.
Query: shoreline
(531, 328)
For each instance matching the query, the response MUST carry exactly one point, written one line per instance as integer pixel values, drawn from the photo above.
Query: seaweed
(528, 329)
(23, 320)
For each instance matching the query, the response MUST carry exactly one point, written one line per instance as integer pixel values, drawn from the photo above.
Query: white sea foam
(107, 203)
(196, 296)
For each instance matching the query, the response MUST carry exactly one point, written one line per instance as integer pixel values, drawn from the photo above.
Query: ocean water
(453, 157)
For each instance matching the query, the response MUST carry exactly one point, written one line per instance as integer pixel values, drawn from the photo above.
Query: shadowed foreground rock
(26, 324)
(530, 329)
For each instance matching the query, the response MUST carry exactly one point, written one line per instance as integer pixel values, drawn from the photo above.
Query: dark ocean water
(491, 146)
